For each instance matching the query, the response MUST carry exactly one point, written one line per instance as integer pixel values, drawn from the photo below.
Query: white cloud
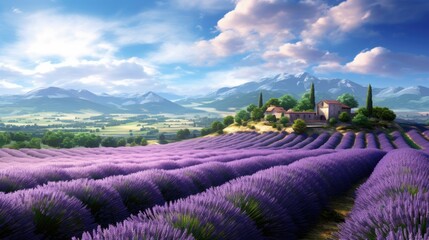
(4, 84)
(383, 62)
(99, 75)
(300, 52)
(353, 14)
(46, 34)
(16, 10)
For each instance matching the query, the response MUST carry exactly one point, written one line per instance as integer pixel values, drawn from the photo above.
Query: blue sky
(192, 47)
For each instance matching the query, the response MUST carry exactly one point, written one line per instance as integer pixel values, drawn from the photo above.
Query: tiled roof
(275, 109)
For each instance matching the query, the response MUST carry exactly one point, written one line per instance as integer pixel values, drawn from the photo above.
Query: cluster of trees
(59, 139)
(19, 140)
(216, 127)
(364, 115)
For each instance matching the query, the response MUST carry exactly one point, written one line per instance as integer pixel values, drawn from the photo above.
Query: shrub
(361, 120)
(344, 117)
(284, 121)
(299, 126)
(332, 121)
(271, 118)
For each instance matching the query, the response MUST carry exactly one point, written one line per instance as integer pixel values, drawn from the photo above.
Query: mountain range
(54, 99)
(233, 98)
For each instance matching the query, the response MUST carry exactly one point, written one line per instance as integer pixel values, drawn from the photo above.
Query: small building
(306, 116)
(276, 111)
(327, 109)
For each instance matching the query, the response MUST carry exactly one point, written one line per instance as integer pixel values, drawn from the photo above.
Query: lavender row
(371, 141)
(385, 143)
(278, 203)
(417, 138)
(399, 140)
(394, 202)
(15, 179)
(47, 211)
(347, 141)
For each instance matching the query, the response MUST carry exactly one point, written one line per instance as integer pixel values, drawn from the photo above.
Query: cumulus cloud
(256, 25)
(46, 34)
(106, 75)
(301, 52)
(353, 14)
(381, 61)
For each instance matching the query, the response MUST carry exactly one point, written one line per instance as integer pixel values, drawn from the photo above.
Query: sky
(193, 47)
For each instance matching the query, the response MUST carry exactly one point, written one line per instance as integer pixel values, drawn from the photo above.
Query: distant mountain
(296, 85)
(170, 96)
(70, 100)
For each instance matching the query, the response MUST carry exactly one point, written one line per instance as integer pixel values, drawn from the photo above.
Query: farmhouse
(327, 109)
(276, 111)
(306, 116)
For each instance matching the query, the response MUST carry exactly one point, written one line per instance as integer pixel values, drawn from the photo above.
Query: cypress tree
(369, 100)
(261, 102)
(312, 97)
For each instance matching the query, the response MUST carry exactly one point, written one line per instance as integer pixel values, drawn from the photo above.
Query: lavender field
(235, 186)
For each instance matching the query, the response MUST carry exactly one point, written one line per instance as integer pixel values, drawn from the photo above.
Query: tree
(109, 142)
(344, 117)
(143, 142)
(257, 114)
(122, 142)
(217, 127)
(332, 121)
(183, 134)
(4, 139)
(206, 131)
(304, 103)
(288, 102)
(68, 142)
(388, 115)
(360, 120)
(34, 143)
(369, 100)
(131, 140)
(228, 120)
(312, 97)
(271, 118)
(363, 111)
(260, 102)
(284, 121)
(272, 102)
(20, 136)
(241, 116)
(161, 139)
(251, 107)
(299, 126)
(348, 100)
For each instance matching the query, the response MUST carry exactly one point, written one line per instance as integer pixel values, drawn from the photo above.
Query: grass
(409, 141)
